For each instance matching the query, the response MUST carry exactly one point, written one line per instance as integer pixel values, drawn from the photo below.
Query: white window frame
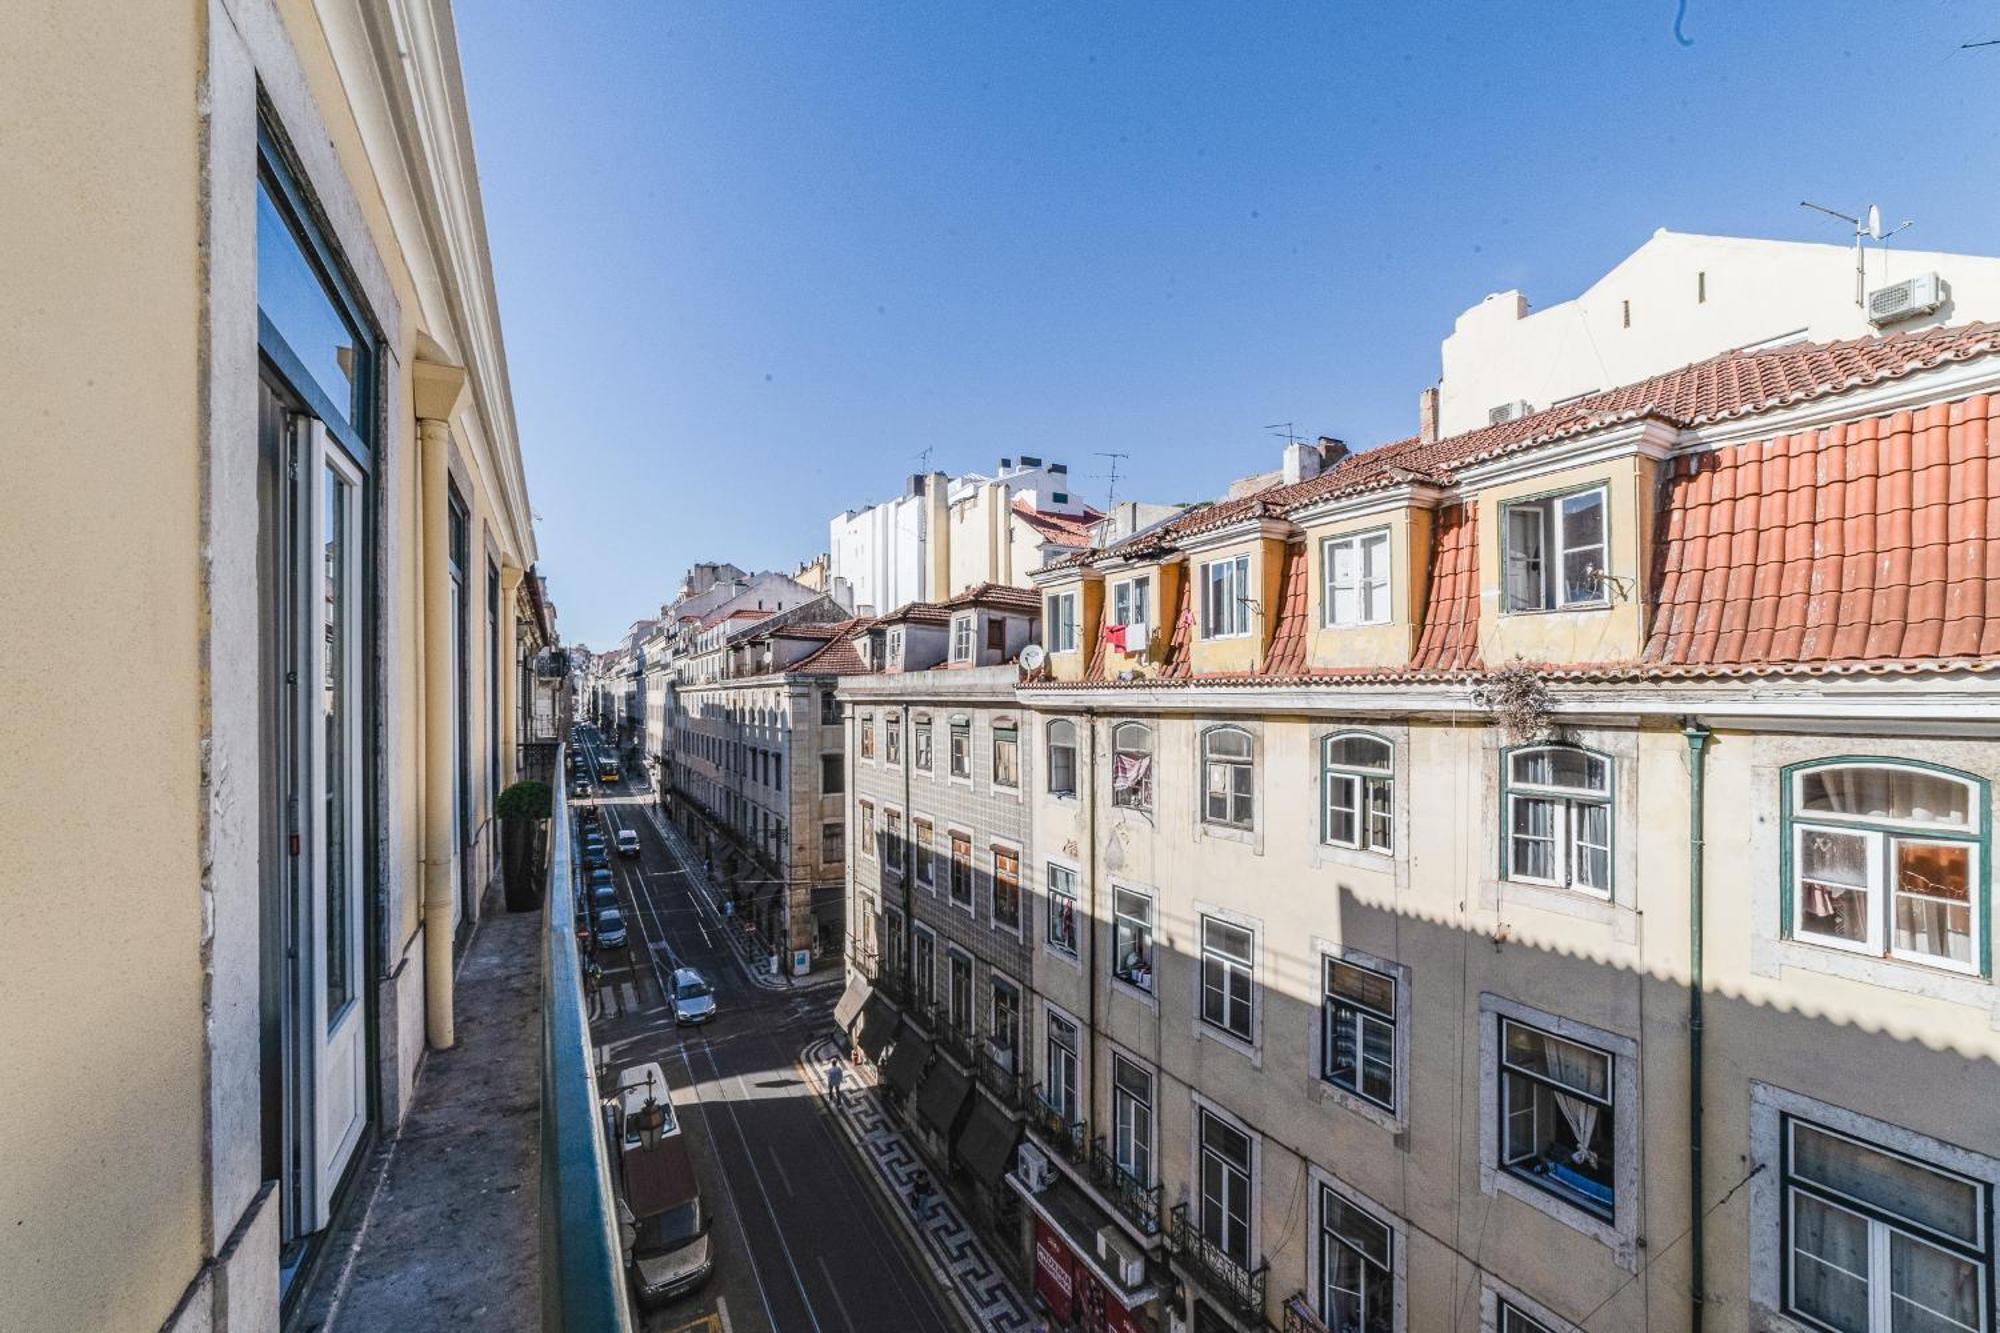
(923, 851)
(970, 1027)
(1621, 1232)
(1207, 736)
(1366, 579)
(961, 638)
(1553, 592)
(1228, 964)
(924, 988)
(1075, 749)
(995, 847)
(923, 754)
(1051, 1016)
(1011, 729)
(1151, 988)
(1225, 598)
(1145, 788)
(864, 815)
(952, 832)
(1770, 1191)
(996, 981)
(1253, 1190)
(1119, 1135)
(1394, 1114)
(1322, 1183)
(1494, 1294)
(1360, 783)
(1054, 875)
(952, 733)
(1130, 600)
(1062, 622)
(1881, 836)
(1567, 831)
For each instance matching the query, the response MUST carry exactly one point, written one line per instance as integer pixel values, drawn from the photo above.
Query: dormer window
(1356, 569)
(895, 648)
(961, 638)
(1130, 603)
(1062, 622)
(1225, 598)
(1554, 551)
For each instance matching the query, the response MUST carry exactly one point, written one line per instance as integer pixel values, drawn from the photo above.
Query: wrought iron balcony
(864, 958)
(950, 1038)
(1139, 1202)
(1218, 1273)
(1299, 1316)
(1066, 1137)
(999, 1076)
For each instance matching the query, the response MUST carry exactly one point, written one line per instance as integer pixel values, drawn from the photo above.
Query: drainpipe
(438, 390)
(908, 859)
(1697, 739)
(1087, 788)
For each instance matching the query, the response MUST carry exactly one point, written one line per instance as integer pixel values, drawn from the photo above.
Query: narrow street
(802, 1241)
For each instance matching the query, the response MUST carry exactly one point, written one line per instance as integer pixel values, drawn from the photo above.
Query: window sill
(1324, 1092)
(1355, 858)
(1068, 957)
(1227, 833)
(1571, 609)
(1770, 955)
(1139, 994)
(1250, 1051)
(1500, 1180)
(1577, 903)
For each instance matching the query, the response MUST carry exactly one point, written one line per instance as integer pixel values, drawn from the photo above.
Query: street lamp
(650, 1119)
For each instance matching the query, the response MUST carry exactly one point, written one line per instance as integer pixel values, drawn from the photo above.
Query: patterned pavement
(955, 1251)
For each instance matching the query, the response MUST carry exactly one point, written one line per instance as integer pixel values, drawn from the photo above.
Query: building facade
(310, 561)
(1466, 826)
(937, 786)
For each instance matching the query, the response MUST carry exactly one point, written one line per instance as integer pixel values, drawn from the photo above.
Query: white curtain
(1579, 1069)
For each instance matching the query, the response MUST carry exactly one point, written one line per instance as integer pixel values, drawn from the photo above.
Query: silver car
(694, 1001)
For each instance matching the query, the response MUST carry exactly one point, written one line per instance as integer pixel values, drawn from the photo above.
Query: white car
(628, 842)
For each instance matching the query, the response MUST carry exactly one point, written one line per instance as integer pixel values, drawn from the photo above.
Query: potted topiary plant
(523, 808)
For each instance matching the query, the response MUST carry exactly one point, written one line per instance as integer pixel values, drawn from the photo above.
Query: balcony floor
(444, 1231)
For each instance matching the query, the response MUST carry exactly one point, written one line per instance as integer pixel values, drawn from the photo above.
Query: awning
(943, 1094)
(986, 1144)
(878, 1020)
(907, 1060)
(857, 993)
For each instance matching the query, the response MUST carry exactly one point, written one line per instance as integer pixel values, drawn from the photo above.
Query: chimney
(1331, 451)
(1301, 463)
(1427, 415)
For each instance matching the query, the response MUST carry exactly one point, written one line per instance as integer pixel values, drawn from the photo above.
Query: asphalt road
(803, 1243)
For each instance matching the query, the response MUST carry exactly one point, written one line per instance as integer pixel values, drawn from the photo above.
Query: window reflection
(291, 295)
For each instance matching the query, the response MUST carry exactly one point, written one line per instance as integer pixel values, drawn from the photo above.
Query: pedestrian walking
(834, 1075)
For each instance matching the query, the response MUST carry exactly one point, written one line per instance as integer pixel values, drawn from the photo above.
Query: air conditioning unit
(1907, 299)
(1032, 1165)
(1508, 411)
(1119, 1255)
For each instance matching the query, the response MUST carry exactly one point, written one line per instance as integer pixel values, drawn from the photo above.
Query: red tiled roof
(1287, 654)
(1061, 529)
(839, 657)
(812, 629)
(1001, 595)
(1874, 540)
(1450, 637)
(920, 613)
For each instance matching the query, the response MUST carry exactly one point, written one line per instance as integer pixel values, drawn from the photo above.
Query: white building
(1681, 298)
(944, 535)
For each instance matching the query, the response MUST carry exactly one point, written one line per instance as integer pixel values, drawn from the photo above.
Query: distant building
(1678, 299)
(944, 535)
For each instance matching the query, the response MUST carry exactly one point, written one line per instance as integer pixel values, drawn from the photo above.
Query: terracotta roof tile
(1450, 637)
(1002, 595)
(1287, 653)
(1061, 529)
(839, 657)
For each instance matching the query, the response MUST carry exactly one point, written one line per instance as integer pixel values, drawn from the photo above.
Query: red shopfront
(1077, 1300)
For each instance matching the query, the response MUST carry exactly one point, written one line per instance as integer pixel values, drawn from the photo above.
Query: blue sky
(754, 257)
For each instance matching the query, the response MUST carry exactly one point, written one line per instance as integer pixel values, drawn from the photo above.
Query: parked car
(580, 790)
(662, 1222)
(610, 929)
(694, 1000)
(628, 842)
(594, 857)
(602, 896)
(599, 878)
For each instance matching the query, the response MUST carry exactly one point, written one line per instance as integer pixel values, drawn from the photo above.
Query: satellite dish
(1874, 222)
(1033, 656)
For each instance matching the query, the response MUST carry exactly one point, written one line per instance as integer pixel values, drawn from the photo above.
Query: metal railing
(1138, 1201)
(583, 1271)
(1065, 1136)
(1002, 1080)
(1221, 1275)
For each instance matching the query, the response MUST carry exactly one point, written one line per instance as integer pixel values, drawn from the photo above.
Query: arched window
(1357, 775)
(1884, 859)
(1062, 757)
(1559, 818)
(1132, 766)
(1228, 777)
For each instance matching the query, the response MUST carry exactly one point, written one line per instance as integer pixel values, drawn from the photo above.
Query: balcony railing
(999, 1075)
(1228, 1281)
(1299, 1316)
(949, 1037)
(864, 958)
(1065, 1136)
(1139, 1202)
(583, 1273)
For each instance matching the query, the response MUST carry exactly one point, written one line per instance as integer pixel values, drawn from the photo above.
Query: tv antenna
(1286, 429)
(924, 461)
(1111, 493)
(1866, 227)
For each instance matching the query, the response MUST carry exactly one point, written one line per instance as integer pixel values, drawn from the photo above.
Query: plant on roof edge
(1519, 700)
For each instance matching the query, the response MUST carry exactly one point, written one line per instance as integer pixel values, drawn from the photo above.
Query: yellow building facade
(263, 480)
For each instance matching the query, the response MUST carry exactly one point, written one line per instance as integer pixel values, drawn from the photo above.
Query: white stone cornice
(1409, 495)
(1647, 438)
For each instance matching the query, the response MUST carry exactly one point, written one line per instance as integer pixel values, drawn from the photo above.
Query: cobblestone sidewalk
(955, 1252)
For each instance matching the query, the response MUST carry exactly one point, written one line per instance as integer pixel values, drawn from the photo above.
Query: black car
(603, 898)
(610, 932)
